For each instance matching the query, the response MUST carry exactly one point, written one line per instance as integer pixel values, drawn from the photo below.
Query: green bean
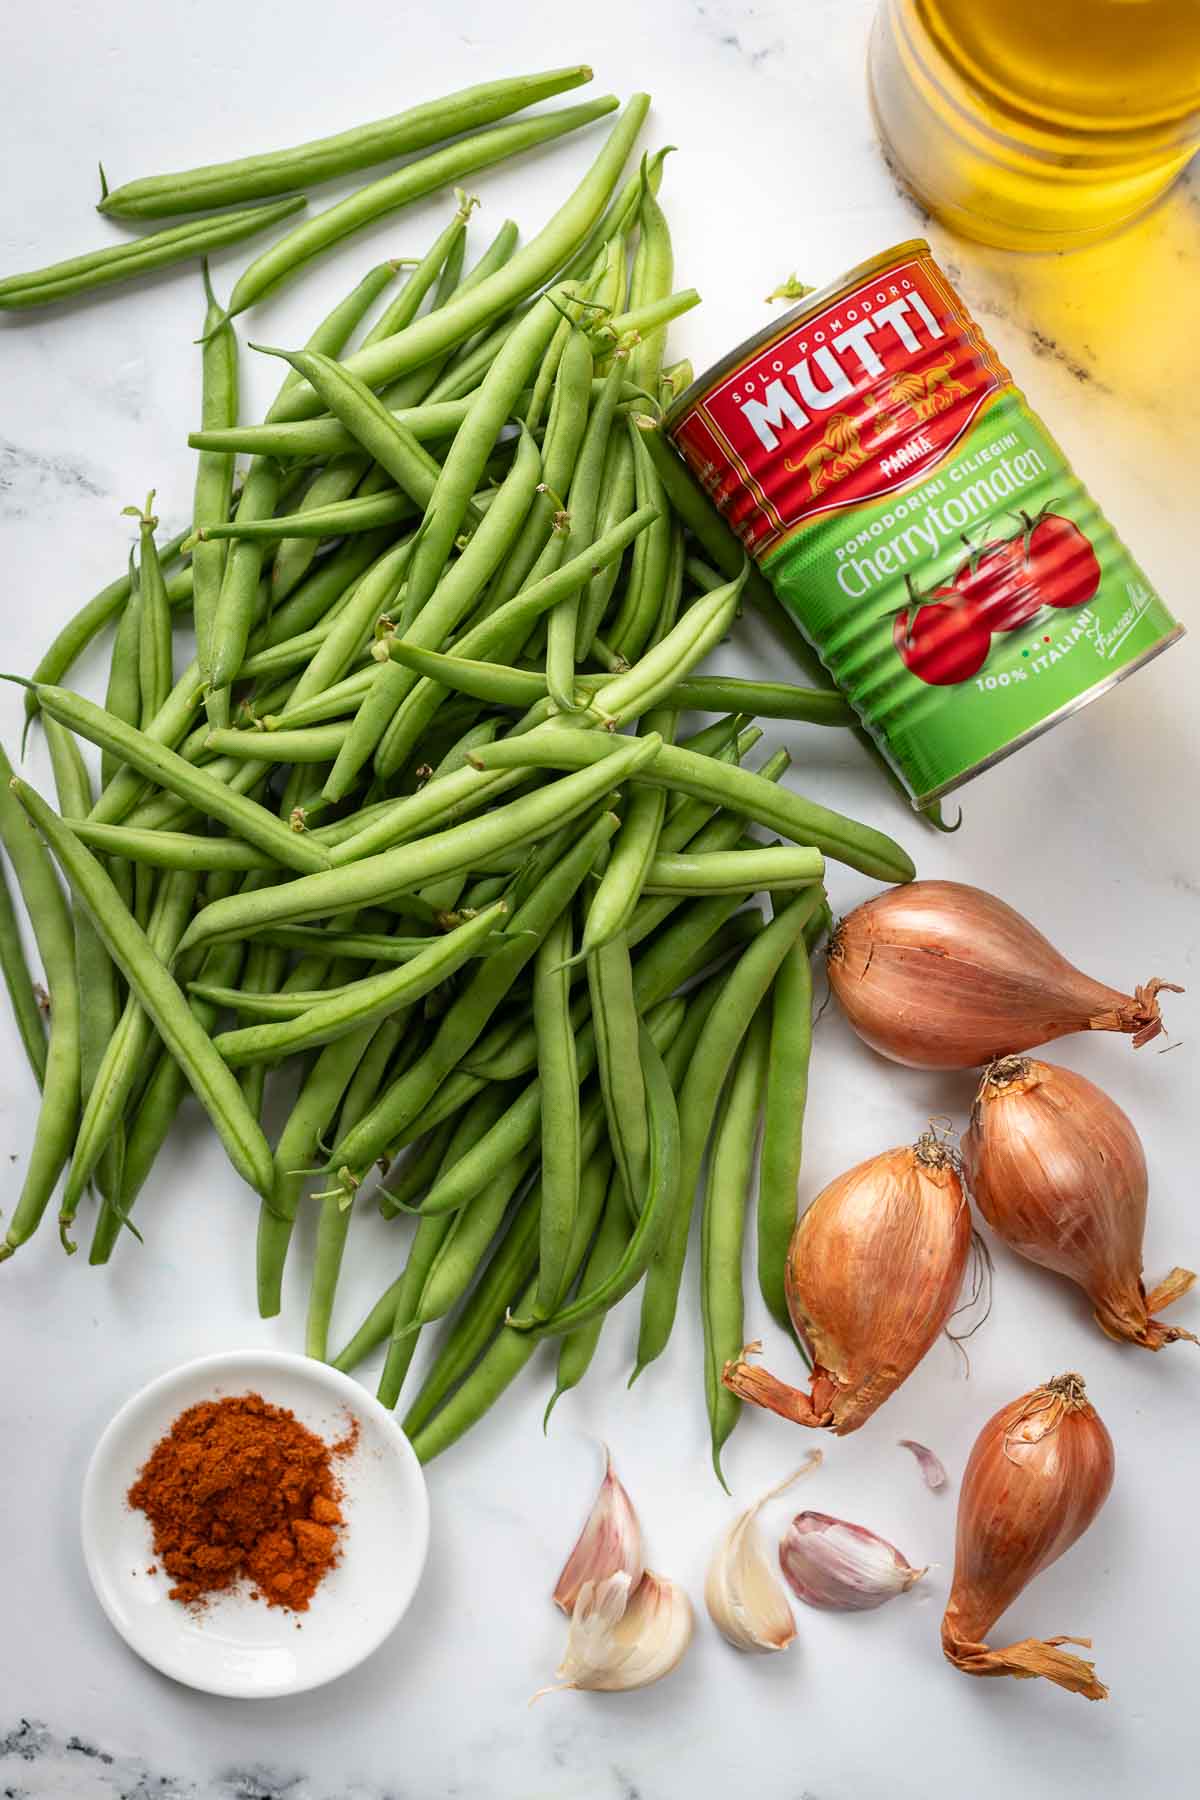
(50, 917)
(19, 982)
(608, 1247)
(522, 275)
(564, 443)
(196, 786)
(616, 1024)
(390, 192)
(120, 262)
(558, 873)
(515, 1258)
(124, 1058)
(634, 622)
(370, 1052)
(323, 159)
(430, 1236)
(319, 440)
(339, 701)
(673, 959)
(471, 1232)
(650, 680)
(123, 692)
(582, 504)
(398, 870)
(365, 946)
(375, 1328)
(374, 595)
(622, 882)
(491, 405)
(147, 1131)
(707, 932)
(461, 1132)
(214, 470)
(394, 449)
(783, 1127)
(311, 1115)
(95, 976)
(366, 513)
(327, 584)
(507, 1355)
(730, 1167)
(126, 943)
(615, 502)
(662, 1189)
(314, 744)
(858, 846)
(237, 602)
(558, 1082)
(68, 645)
(734, 871)
(155, 673)
(504, 627)
(455, 484)
(710, 1064)
(561, 444)
(362, 1001)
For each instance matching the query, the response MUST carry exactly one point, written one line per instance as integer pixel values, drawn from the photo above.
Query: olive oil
(1037, 124)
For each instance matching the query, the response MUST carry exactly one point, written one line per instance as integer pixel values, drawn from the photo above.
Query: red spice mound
(240, 1488)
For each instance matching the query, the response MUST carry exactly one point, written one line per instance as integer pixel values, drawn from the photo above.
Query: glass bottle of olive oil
(1037, 124)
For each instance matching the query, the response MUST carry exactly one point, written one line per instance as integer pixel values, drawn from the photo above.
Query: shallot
(1059, 1173)
(873, 1272)
(1039, 1473)
(943, 976)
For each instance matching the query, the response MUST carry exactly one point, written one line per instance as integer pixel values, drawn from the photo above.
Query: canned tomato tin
(918, 521)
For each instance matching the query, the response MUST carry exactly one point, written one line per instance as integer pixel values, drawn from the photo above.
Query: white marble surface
(1092, 831)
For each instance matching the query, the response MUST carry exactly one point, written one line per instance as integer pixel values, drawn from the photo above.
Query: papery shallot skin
(873, 1274)
(1040, 1471)
(1058, 1172)
(939, 975)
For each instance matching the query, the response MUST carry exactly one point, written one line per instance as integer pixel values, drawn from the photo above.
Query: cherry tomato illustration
(999, 583)
(947, 642)
(1062, 563)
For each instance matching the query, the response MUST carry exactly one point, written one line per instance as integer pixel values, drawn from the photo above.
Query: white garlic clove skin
(840, 1567)
(745, 1600)
(609, 1544)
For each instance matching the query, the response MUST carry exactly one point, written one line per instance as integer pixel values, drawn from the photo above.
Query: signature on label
(1106, 643)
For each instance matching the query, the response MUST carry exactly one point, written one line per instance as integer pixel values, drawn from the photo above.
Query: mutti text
(865, 340)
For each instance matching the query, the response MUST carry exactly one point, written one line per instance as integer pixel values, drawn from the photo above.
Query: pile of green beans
(420, 837)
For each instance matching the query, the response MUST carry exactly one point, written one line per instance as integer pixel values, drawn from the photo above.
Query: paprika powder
(238, 1489)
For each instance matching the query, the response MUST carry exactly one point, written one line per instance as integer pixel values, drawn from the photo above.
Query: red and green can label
(919, 522)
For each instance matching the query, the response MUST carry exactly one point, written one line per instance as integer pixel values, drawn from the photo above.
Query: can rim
(812, 303)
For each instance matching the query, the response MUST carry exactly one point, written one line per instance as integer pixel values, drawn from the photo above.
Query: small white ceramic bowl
(238, 1646)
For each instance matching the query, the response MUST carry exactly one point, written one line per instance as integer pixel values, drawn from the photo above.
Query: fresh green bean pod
(50, 917)
(19, 982)
(126, 943)
(558, 1081)
(783, 1127)
(522, 275)
(608, 1247)
(714, 1054)
(387, 195)
(727, 1187)
(324, 159)
(214, 474)
(121, 262)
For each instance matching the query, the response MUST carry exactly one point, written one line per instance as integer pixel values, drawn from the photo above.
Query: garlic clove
(618, 1640)
(840, 1567)
(933, 1469)
(745, 1601)
(609, 1544)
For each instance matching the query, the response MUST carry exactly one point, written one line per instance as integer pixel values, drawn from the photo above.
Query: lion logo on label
(916, 398)
(836, 454)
